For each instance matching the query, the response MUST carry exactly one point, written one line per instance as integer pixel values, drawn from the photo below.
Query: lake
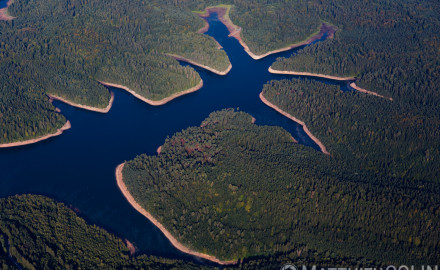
(77, 168)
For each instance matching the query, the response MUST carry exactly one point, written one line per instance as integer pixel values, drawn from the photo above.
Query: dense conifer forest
(234, 189)
(368, 133)
(269, 25)
(38, 233)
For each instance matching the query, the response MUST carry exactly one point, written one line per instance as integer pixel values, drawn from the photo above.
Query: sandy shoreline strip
(4, 16)
(154, 102)
(324, 29)
(354, 86)
(167, 234)
(204, 29)
(178, 57)
(66, 126)
(306, 130)
(235, 31)
(274, 71)
(85, 107)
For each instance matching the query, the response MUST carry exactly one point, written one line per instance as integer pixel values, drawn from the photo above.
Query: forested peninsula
(85, 107)
(233, 189)
(224, 11)
(205, 187)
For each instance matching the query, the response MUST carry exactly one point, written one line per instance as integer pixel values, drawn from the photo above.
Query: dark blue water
(3, 3)
(78, 167)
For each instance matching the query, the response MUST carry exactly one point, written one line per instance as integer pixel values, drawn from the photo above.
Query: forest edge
(123, 188)
(235, 31)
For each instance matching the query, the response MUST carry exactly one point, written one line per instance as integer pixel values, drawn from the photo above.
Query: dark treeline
(234, 189)
(268, 25)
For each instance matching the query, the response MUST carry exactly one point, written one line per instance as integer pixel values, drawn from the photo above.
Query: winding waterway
(77, 167)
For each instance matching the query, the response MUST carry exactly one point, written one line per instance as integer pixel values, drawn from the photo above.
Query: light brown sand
(306, 130)
(235, 31)
(154, 102)
(354, 86)
(85, 107)
(274, 71)
(178, 57)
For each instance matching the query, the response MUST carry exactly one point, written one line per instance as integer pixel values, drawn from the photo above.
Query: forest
(235, 190)
(367, 133)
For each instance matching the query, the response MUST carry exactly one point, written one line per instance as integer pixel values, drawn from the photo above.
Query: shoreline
(354, 86)
(306, 129)
(204, 29)
(66, 126)
(154, 102)
(235, 31)
(286, 72)
(308, 74)
(123, 188)
(4, 16)
(222, 73)
(85, 107)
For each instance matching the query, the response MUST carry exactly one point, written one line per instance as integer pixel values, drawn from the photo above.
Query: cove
(77, 168)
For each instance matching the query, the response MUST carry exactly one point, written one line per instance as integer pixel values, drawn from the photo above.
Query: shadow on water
(78, 167)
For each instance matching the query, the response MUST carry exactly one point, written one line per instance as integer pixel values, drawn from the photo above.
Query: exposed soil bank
(354, 86)
(45, 137)
(178, 57)
(174, 242)
(155, 102)
(85, 107)
(274, 71)
(235, 31)
(306, 130)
